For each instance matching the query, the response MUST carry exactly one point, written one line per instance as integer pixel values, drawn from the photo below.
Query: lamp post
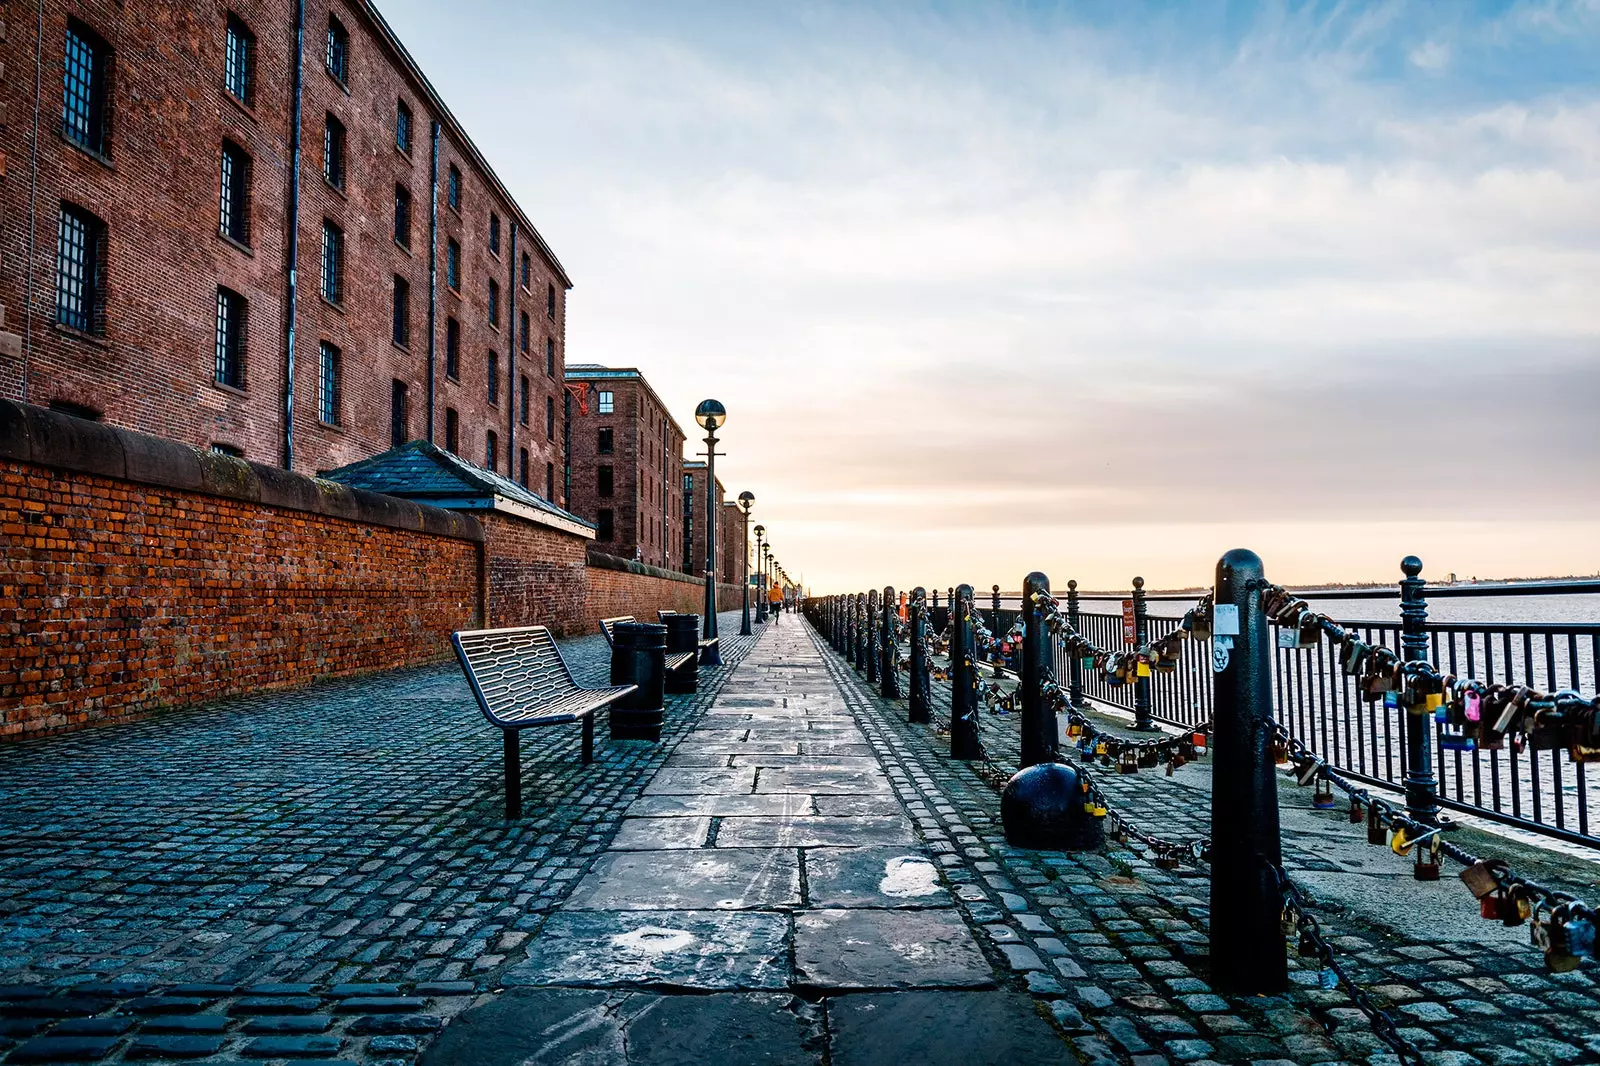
(761, 597)
(745, 500)
(771, 612)
(711, 414)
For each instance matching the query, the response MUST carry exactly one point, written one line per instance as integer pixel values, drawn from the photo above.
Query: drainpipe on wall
(511, 360)
(292, 301)
(433, 264)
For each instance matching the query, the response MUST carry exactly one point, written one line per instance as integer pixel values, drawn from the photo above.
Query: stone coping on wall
(602, 561)
(41, 437)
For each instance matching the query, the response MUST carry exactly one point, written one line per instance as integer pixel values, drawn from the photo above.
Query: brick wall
(618, 587)
(536, 576)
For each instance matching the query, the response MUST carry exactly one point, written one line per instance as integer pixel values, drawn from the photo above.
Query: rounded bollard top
(888, 592)
(1073, 583)
(1138, 582)
(1411, 566)
(1241, 559)
(1035, 582)
(964, 590)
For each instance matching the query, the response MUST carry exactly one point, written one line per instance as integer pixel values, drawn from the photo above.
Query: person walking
(775, 599)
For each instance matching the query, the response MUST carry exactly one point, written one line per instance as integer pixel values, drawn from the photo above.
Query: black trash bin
(639, 649)
(683, 636)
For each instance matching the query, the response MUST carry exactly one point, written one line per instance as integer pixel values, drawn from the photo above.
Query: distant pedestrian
(775, 599)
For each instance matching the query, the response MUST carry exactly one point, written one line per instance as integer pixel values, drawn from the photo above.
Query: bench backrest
(513, 672)
(608, 627)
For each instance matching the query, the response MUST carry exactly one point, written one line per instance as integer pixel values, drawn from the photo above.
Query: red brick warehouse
(148, 215)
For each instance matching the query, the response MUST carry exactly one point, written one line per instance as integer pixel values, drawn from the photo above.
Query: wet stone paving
(794, 874)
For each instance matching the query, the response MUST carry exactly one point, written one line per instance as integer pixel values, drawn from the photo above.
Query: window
(523, 401)
(603, 441)
(399, 414)
(402, 312)
(522, 467)
(452, 349)
(607, 403)
(550, 481)
(402, 216)
(527, 270)
(494, 233)
(524, 332)
(550, 301)
(328, 385)
(452, 264)
(491, 451)
(603, 481)
(402, 127)
(550, 356)
(79, 257)
(77, 410)
(239, 66)
(338, 51)
(85, 88)
(494, 377)
(494, 302)
(332, 262)
(235, 210)
(452, 190)
(603, 524)
(232, 450)
(549, 418)
(452, 431)
(230, 338)
(333, 152)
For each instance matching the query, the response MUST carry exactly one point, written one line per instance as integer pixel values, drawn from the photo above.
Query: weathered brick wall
(617, 588)
(536, 576)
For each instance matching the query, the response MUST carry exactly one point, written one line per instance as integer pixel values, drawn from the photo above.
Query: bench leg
(513, 773)
(588, 738)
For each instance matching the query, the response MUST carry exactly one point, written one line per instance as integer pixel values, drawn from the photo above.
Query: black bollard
(1038, 721)
(861, 632)
(1422, 789)
(964, 742)
(638, 715)
(1141, 683)
(683, 635)
(1075, 664)
(873, 636)
(889, 667)
(994, 622)
(1248, 954)
(920, 696)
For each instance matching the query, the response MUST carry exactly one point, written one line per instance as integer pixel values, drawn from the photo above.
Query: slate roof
(427, 473)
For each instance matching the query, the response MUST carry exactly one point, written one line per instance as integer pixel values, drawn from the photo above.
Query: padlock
(1518, 908)
(1149, 756)
(1322, 796)
(1426, 867)
(1280, 751)
(1355, 811)
(1166, 860)
(1309, 771)
(1471, 705)
(1480, 878)
(1128, 761)
(1198, 742)
(1375, 833)
(1400, 841)
(1557, 943)
(1352, 657)
(1494, 905)
(1074, 729)
(1310, 630)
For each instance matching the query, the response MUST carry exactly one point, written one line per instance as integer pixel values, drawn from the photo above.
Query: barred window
(338, 51)
(524, 398)
(607, 403)
(524, 331)
(453, 188)
(522, 466)
(333, 152)
(402, 312)
(452, 348)
(494, 302)
(85, 87)
(527, 271)
(231, 450)
(452, 264)
(550, 301)
(494, 377)
(328, 385)
(239, 69)
(549, 418)
(235, 195)
(402, 216)
(230, 338)
(402, 127)
(79, 263)
(494, 233)
(491, 450)
(550, 356)
(332, 262)
(399, 414)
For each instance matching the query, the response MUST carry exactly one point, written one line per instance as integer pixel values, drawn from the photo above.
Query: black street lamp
(745, 500)
(761, 581)
(711, 414)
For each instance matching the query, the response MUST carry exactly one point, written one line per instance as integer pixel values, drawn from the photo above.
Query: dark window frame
(401, 301)
(550, 301)
(605, 402)
(452, 348)
(80, 277)
(605, 441)
(335, 152)
(239, 59)
(402, 216)
(86, 75)
(491, 450)
(452, 431)
(233, 317)
(549, 418)
(524, 399)
(452, 264)
(605, 525)
(399, 413)
(403, 122)
(492, 369)
(494, 234)
(494, 303)
(550, 357)
(452, 188)
(329, 387)
(233, 207)
(337, 57)
(605, 481)
(332, 262)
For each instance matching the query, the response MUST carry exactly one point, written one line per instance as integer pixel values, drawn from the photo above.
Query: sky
(1098, 289)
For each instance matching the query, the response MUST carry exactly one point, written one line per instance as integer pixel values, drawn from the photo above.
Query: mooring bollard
(1422, 788)
(1038, 721)
(889, 667)
(994, 622)
(873, 636)
(1075, 664)
(1248, 953)
(1142, 720)
(858, 648)
(920, 696)
(963, 679)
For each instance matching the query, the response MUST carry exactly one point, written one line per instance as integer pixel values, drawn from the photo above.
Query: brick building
(627, 465)
(733, 542)
(694, 526)
(158, 207)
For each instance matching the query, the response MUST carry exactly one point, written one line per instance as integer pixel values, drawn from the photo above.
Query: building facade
(627, 465)
(185, 258)
(733, 541)
(695, 524)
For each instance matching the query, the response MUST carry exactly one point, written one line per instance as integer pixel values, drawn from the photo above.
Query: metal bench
(705, 644)
(520, 680)
(608, 627)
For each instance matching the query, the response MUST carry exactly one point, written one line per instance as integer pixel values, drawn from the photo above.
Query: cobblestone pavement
(324, 872)
(1119, 948)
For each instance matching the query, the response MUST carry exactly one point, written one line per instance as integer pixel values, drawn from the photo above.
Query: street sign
(1130, 628)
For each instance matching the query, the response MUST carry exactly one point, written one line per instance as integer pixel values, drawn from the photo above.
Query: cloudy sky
(1089, 288)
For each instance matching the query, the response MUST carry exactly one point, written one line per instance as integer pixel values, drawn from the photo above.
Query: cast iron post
(889, 668)
(1038, 723)
(1074, 664)
(963, 679)
(1141, 684)
(873, 636)
(708, 414)
(761, 577)
(861, 632)
(1248, 954)
(921, 709)
(1422, 790)
(994, 623)
(745, 500)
